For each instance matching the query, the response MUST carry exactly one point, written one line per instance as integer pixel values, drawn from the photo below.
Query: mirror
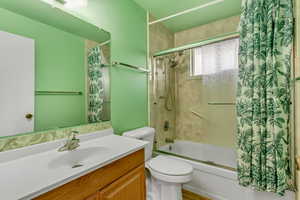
(54, 71)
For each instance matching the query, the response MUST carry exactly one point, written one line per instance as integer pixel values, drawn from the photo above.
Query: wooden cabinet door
(129, 187)
(93, 197)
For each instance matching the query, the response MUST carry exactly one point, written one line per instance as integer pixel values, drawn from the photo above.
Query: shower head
(177, 59)
(173, 64)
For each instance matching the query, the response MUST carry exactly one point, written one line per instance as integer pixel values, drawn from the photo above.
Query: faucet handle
(74, 133)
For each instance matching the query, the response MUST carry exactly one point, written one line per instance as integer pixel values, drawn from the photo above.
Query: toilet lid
(169, 166)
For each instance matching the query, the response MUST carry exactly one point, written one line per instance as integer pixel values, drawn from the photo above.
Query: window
(214, 58)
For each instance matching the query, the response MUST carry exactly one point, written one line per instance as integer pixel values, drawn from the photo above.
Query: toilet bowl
(166, 175)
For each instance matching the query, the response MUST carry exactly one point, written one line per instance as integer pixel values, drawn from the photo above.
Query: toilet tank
(145, 134)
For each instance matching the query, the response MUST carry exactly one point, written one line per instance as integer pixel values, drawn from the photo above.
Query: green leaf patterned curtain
(95, 99)
(263, 94)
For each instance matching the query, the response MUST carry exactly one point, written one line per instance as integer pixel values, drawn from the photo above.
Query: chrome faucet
(71, 144)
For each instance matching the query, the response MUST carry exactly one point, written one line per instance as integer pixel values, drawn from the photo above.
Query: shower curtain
(263, 94)
(95, 96)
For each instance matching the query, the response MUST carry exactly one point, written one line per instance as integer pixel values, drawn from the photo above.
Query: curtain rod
(131, 66)
(186, 11)
(198, 44)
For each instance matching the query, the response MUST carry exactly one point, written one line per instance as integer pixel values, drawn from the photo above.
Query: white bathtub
(216, 182)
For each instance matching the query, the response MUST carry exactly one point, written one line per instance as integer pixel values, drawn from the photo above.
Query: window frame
(192, 56)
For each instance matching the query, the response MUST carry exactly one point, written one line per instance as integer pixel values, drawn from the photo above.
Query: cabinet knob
(29, 116)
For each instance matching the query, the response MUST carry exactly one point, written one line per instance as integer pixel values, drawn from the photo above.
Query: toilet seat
(169, 166)
(171, 179)
(170, 170)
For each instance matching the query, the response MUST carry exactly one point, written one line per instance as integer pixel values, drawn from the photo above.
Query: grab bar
(131, 66)
(197, 114)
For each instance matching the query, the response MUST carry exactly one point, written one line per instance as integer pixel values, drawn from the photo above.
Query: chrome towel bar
(57, 93)
(131, 67)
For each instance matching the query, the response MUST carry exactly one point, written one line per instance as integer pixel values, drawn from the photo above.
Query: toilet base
(160, 190)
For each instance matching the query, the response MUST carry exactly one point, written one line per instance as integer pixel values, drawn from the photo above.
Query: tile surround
(184, 124)
(215, 125)
(160, 39)
(206, 31)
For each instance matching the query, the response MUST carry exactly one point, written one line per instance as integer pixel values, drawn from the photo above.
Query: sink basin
(76, 158)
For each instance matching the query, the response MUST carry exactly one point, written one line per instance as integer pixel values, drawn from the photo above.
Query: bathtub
(214, 175)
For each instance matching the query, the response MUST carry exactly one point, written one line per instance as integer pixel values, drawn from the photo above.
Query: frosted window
(215, 58)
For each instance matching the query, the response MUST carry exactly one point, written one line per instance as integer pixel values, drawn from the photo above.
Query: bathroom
(147, 100)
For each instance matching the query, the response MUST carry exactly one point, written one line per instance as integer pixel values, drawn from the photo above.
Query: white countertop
(31, 171)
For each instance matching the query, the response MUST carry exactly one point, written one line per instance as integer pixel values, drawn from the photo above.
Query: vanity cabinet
(123, 179)
(129, 187)
(93, 197)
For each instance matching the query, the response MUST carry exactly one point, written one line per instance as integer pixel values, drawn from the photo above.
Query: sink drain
(76, 166)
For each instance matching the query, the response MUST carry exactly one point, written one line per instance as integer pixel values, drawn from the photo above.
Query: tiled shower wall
(160, 38)
(198, 121)
(206, 31)
(184, 125)
(217, 124)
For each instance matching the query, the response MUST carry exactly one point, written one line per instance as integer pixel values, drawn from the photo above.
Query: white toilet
(166, 174)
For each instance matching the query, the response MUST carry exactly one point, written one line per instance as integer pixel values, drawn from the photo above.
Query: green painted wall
(127, 23)
(59, 64)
